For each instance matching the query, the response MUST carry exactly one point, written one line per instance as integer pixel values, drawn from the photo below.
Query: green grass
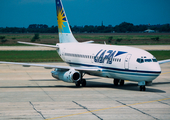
(52, 56)
(126, 39)
(103, 37)
(29, 36)
(29, 56)
(161, 55)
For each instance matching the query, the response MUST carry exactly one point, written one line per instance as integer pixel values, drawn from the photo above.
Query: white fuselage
(119, 62)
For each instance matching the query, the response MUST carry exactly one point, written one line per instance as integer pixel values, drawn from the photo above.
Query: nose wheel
(142, 85)
(142, 88)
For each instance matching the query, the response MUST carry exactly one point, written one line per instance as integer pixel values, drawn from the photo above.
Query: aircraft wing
(164, 61)
(90, 69)
(44, 45)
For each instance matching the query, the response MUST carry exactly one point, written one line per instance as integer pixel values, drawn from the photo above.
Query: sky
(22, 13)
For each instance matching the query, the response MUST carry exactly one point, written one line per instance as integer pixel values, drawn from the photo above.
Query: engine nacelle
(70, 76)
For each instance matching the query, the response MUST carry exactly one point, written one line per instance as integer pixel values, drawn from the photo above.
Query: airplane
(110, 61)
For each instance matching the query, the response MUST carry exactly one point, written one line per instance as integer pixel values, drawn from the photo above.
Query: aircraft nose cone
(155, 67)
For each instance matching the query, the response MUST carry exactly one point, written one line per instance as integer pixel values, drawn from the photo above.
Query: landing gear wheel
(83, 82)
(122, 82)
(77, 84)
(142, 88)
(116, 81)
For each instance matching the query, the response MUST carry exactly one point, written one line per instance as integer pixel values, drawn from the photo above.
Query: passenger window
(148, 60)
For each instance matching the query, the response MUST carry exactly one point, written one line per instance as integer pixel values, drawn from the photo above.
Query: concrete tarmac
(32, 94)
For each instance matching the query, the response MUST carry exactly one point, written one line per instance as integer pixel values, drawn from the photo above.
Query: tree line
(124, 27)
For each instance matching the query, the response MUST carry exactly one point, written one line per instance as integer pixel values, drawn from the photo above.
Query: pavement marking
(145, 113)
(165, 73)
(87, 110)
(108, 108)
(36, 110)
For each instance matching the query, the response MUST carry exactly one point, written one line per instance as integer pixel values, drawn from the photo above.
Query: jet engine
(70, 76)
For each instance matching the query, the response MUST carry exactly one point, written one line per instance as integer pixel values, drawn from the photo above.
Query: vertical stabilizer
(65, 34)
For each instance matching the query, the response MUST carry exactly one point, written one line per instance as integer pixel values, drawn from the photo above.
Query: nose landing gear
(142, 85)
(142, 88)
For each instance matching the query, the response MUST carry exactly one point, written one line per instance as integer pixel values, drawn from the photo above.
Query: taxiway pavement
(32, 93)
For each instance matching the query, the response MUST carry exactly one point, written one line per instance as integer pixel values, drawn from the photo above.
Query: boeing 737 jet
(110, 61)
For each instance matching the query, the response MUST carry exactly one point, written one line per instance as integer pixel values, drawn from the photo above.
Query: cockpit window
(139, 60)
(154, 60)
(144, 59)
(148, 60)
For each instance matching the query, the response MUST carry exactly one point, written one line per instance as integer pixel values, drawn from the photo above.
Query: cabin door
(127, 59)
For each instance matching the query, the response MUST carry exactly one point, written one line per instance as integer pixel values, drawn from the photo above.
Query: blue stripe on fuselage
(121, 71)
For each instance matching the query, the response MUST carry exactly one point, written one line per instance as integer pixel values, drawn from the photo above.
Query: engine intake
(70, 76)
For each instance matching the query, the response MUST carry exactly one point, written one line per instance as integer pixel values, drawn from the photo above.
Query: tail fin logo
(61, 18)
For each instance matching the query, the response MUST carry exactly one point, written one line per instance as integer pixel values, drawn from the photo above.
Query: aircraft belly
(132, 76)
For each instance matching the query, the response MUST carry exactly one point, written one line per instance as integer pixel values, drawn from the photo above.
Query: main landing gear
(81, 81)
(121, 82)
(118, 81)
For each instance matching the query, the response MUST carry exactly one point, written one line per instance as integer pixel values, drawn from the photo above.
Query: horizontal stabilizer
(88, 41)
(37, 44)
